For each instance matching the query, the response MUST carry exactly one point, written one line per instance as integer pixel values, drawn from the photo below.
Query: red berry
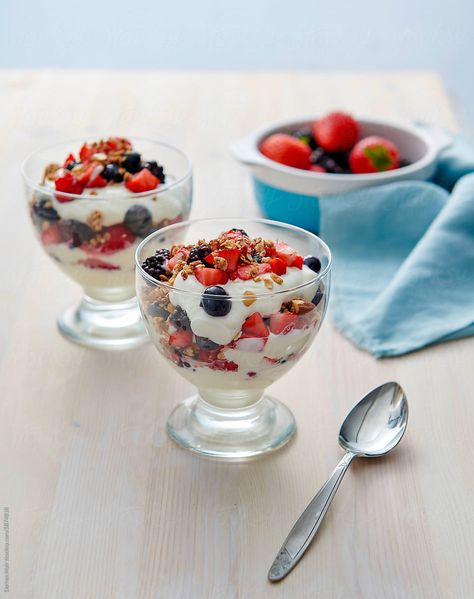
(231, 256)
(298, 262)
(86, 152)
(97, 263)
(288, 150)
(69, 159)
(225, 365)
(181, 338)
(51, 235)
(282, 322)
(336, 132)
(285, 253)
(68, 183)
(181, 254)
(374, 154)
(278, 266)
(254, 326)
(244, 271)
(117, 237)
(210, 276)
(144, 180)
(317, 169)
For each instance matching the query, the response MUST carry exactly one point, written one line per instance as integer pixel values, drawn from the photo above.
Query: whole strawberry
(287, 150)
(374, 154)
(336, 132)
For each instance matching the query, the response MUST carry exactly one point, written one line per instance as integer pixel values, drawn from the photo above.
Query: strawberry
(336, 132)
(68, 183)
(285, 252)
(231, 257)
(282, 322)
(86, 152)
(181, 254)
(117, 237)
(51, 235)
(206, 355)
(144, 180)
(225, 365)
(244, 271)
(278, 266)
(374, 154)
(92, 176)
(286, 149)
(298, 262)
(180, 338)
(316, 168)
(254, 326)
(210, 276)
(69, 159)
(97, 263)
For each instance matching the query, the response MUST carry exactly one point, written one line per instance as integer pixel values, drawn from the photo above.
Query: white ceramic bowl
(291, 195)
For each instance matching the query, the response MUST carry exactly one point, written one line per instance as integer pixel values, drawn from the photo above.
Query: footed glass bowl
(231, 416)
(92, 237)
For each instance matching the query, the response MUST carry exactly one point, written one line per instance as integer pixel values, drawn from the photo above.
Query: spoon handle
(308, 523)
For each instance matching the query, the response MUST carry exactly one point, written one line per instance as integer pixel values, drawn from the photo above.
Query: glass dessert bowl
(232, 304)
(91, 205)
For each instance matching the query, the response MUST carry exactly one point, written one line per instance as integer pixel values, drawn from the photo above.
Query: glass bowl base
(231, 434)
(100, 325)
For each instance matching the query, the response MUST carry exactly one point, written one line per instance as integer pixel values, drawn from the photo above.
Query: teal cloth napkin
(403, 259)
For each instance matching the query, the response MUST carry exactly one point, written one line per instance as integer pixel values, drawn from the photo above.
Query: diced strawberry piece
(225, 365)
(86, 152)
(51, 235)
(282, 322)
(298, 262)
(254, 326)
(68, 183)
(92, 176)
(117, 237)
(69, 159)
(210, 276)
(181, 338)
(285, 252)
(207, 356)
(278, 266)
(231, 256)
(244, 271)
(144, 180)
(233, 275)
(181, 254)
(97, 263)
(209, 259)
(270, 251)
(250, 344)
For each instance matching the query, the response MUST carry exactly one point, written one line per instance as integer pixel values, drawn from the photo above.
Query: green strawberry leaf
(379, 157)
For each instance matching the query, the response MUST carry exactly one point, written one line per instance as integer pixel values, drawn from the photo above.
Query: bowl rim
(84, 196)
(318, 277)
(257, 137)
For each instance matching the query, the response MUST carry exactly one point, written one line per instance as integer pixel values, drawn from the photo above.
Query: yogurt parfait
(232, 312)
(91, 204)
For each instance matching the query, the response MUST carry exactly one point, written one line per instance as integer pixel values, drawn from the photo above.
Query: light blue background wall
(250, 34)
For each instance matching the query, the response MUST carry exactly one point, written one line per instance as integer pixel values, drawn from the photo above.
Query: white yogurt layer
(223, 329)
(114, 201)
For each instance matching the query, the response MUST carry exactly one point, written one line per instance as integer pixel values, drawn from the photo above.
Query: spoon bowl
(377, 423)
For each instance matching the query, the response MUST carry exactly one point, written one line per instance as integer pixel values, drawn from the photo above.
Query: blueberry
(43, 208)
(155, 169)
(112, 172)
(138, 219)
(180, 319)
(132, 162)
(215, 301)
(318, 297)
(205, 343)
(75, 232)
(257, 258)
(313, 263)
(157, 310)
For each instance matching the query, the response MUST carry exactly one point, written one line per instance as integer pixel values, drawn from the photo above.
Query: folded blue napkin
(403, 269)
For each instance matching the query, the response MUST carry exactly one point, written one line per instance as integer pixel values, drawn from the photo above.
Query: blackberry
(75, 232)
(112, 172)
(138, 219)
(154, 265)
(155, 169)
(342, 159)
(199, 253)
(132, 162)
(43, 208)
(320, 157)
(180, 319)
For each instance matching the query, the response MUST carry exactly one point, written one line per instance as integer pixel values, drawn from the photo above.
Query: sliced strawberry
(86, 152)
(285, 252)
(68, 183)
(254, 326)
(278, 266)
(282, 322)
(208, 356)
(250, 344)
(181, 254)
(245, 271)
(181, 338)
(51, 235)
(298, 262)
(225, 365)
(92, 176)
(117, 237)
(210, 276)
(144, 180)
(231, 256)
(69, 159)
(97, 263)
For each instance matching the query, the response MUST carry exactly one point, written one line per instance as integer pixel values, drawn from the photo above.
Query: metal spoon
(371, 429)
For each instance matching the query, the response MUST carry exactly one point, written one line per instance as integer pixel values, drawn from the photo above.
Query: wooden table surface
(102, 504)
